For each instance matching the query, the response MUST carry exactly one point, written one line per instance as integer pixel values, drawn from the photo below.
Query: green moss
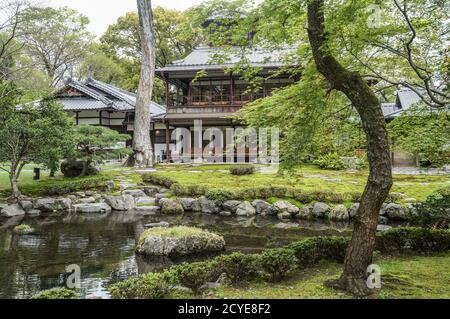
(403, 277)
(56, 293)
(304, 179)
(179, 231)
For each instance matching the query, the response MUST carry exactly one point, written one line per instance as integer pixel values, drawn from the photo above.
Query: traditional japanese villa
(93, 102)
(218, 93)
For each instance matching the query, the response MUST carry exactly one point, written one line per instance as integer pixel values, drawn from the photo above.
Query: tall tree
(30, 134)
(363, 99)
(11, 13)
(175, 37)
(56, 40)
(142, 146)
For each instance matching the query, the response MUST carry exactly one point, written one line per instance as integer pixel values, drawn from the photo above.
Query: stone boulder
(86, 200)
(120, 203)
(353, 210)
(170, 207)
(284, 216)
(148, 210)
(145, 201)
(245, 210)
(231, 206)
(160, 196)
(225, 214)
(134, 192)
(48, 205)
(205, 205)
(95, 208)
(27, 205)
(262, 207)
(320, 210)
(397, 212)
(12, 211)
(285, 207)
(150, 190)
(178, 241)
(187, 203)
(304, 213)
(339, 213)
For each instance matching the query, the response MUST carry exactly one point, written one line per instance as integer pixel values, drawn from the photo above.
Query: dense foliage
(273, 264)
(423, 134)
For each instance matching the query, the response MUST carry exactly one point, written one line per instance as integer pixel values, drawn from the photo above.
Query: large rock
(86, 200)
(150, 190)
(134, 192)
(284, 216)
(73, 168)
(120, 203)
(231, 205)
(304, 213)
(284, 207)
(53, 204)
(12, 211)
(397, 212)
(145, 201)
(245, 210)
(148, 210)
(205, 205)
(169, 206)
(353, 211)
(262, 207)
(179, 241)
(320, 210)
(187, 203)
(27, 205)
(339, 213)
(96, 208)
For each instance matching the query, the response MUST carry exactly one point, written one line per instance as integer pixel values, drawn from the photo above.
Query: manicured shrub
(330, 161)
(238, 267)
(355, 197)
(188, 190)
(56, 293)
(240, 170)
(416, 239)
(219, 196)
(60, 187)
(157, 179)
(312, 250)
(277, 263)
(337, 198)
(195, 275)
(147, 286)
(303, 198)
(435, 211)
(73, 168)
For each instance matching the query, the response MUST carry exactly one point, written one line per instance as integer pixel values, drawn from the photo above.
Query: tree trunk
(86, 165)
(142, 146)
(15, 192)
(360, 251)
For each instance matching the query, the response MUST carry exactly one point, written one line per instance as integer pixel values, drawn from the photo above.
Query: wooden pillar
(77, 118)
(166, 80)
(231, 89)
(167, 142)
(152, 139)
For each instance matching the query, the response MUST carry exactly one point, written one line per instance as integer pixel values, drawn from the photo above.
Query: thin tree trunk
(14, 174)
(142, 146)
(360, 251)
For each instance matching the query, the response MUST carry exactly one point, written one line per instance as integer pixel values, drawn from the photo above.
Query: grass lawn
(402, 277)
(305, 178)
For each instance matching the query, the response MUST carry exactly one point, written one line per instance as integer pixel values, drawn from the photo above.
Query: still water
(103, 246)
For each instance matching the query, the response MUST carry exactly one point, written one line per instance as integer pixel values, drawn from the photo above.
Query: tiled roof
(97, 95)
(207, 58)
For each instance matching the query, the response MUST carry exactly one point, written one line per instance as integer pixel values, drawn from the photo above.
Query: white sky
(102, 13)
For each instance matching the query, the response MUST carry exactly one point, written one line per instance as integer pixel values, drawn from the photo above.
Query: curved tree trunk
(142, 146)
(360, 251)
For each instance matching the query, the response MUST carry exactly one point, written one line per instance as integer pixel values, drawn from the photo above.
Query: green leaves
(96, 143)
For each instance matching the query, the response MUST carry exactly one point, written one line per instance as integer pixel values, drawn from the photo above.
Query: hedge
(274, 264)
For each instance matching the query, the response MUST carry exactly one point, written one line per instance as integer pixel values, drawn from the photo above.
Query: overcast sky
(102, 13)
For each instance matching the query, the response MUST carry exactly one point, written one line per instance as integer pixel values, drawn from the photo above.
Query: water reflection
(103, 246)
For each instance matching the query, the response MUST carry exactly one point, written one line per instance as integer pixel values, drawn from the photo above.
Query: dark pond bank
(103, 246)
